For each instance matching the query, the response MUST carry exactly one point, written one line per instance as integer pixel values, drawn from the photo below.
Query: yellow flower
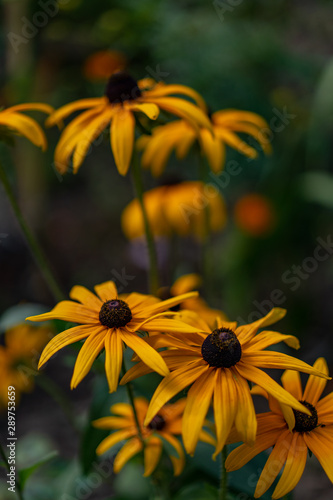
(180, 136)
(291, 434)
(219, 364)
(123, 97)
(176, 208)
(189, 282)
(108, 322)
(24, 125)
(100, 65)
(18, 359)
(254, 214)
(164, 426)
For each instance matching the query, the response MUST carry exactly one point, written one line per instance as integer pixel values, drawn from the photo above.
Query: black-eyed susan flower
(292, 434)
(124, 96)
(255, 214)
(108, 321)
(18, 359)
(164, 426)
(218, 365)
(24, 125)
(179, 136)
(177, 208)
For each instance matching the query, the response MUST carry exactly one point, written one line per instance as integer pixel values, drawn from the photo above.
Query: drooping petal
(225, 401)
(87, 355)
(146, 353)
(161, 90)
(167, 304)
(259, 135)
(128, 451)
(122, 138)
(320, 442)
(172, 385)
(228, 116)
(291, 381)
(113, 357)
(113, 439)
(268, 338)
(68, 311)
(184, 109)
(152, 454)
(315, 385)
(245, 418)
(198, 401)
(66, 110)
(294, 466)
(178, 461)
(247, 332)
(106, 291)
(151, 110)
(86, 297)
(65, 338)
(25, 126)
(32, 106)
(214, 150)
(235, 142)
(324, 409)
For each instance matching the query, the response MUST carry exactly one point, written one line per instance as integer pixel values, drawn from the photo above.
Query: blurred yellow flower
(180, 136)
(218, 365)
(24, 125)
(164, 426)
(177, 208)
(100, 65)
(254, 214)
(123, 97)
(18, 359)
(108, 321)
(291, 434)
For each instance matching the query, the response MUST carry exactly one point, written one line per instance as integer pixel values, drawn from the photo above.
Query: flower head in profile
(291, 434)
(255, 214)
(18, 358)
(164, 426)
(123, 97)
(218, 365)
(24, 125)
(179, 208)
(179, 136)
(109, 321)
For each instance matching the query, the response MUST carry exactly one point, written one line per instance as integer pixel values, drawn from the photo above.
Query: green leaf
(24, 474)
(317, 187)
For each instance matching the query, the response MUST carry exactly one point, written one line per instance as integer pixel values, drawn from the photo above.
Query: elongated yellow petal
(128, 451)
(113, 358)
(161, 90)
(25, 126)
(245, 418)
(65, 338)
(123, 409)
(268, 338)
(184, 109)
(87, 355)
(228, 116)
(111, 423)
(151, 110)
(113, 439)
(68, 311)
(315, 385)
(122, 139)
(152, 454)
(247, 332)
(178, 461)
(324, 408)
(32, 106)
(235, 142)
(225, 402)
(214, 150)
(198, 402)
(172, 385)
(320, 442)
(146, 353)
(167, 304)
(106, 291)
(291, 381)
(186, 283)
(261, 378)
(66, 110)
(86, 297)
(274, 463)
(294, 466)
(259, 134)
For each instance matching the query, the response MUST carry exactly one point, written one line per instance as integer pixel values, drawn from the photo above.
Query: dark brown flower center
(303, 422)
(221, 348)
(157, 423)
(122, 87)
(115, 313)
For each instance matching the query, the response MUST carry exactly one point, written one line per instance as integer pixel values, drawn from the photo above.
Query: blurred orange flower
(254, 214)
(100, 65)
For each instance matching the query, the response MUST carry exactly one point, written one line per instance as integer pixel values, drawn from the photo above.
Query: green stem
(32, 242)
(18, 485)
(130, 394)
(224, 476)
(138, 185)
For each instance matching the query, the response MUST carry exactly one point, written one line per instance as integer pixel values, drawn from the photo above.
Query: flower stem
(32, 242)
(130, 394)
(18, 485)
(224, 476)
(138, 186)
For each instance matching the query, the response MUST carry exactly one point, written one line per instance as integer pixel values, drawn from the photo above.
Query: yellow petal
(184, 109)
(33, 106)
(245, 419)
(186, 283)
(178, 461)
(65, 338)
(268, 338)
(126, 453)
(122, 139)
(260, 135)
(26, 126)
(68, 311)
(86, 297)
(172, 385)
(214, 150)
(106, 291)
(167, 304)
(87, 355)
(151, 110)
(324, 408)
(198, 402)
(225, 403)
(111, 423)
(315, 385)
(228, 116)
(291, 381)
(124, 409)
(247, 332)
(113, 358)
(113, 439)
(235, 142)
(152, 454)
(146, 353)
(161, 90)
(294, 466)
(66, 110)
(320, 442)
